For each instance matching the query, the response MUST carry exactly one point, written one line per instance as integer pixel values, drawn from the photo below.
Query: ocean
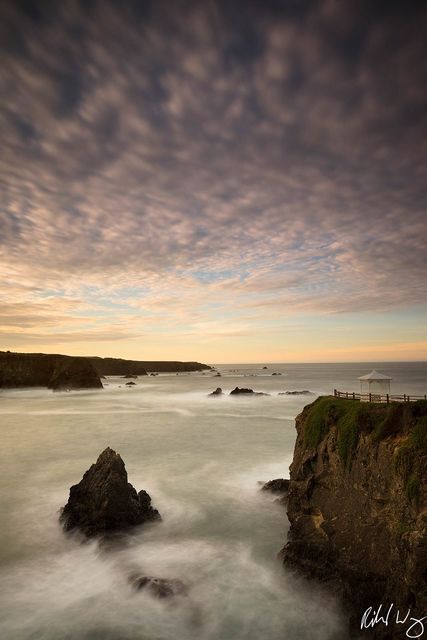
(201, 459)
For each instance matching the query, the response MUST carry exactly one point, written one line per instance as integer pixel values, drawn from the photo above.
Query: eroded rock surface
(357, 504)
(104, 501)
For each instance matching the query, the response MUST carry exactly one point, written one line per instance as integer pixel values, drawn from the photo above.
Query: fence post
(370, 395)
(404, 397)
(353, 395)
(335, 393)
(388, 399)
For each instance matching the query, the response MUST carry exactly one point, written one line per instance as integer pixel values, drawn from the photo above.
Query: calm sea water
(201, 460)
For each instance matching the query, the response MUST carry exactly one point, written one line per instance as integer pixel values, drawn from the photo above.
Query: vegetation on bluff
(352, 418)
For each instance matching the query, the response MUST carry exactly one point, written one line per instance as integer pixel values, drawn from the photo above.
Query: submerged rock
(304, 392)
(218, 392)
(104, 501)
(74, 373)
(159, 587)
(243, 391)
(280, 485)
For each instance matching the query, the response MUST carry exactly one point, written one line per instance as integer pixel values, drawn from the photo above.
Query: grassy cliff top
(407, 420)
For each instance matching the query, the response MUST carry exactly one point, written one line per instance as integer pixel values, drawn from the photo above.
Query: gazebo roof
(375, 375)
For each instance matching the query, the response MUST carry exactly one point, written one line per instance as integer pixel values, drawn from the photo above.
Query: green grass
(322, 414)
(352, 418)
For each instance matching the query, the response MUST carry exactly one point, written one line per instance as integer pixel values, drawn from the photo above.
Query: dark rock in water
(276, 374)
(305, 392)
(280, 485)
(218, 392)
(265, 367)
(104, 501)
(130, 384)
(130, 375)
(159, 587)
(154, 374)
(217, 375)
(74, 373)
(243, 391)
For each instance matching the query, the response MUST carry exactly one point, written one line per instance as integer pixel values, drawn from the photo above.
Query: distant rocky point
(57, 372)
(121, 367)
(104, 501)
(60, 372)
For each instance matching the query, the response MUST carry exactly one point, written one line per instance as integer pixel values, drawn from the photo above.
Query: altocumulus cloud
(189, 159)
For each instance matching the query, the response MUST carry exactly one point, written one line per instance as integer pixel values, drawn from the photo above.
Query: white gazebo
(375, 383)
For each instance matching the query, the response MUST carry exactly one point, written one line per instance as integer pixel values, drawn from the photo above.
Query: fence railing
(377, 397)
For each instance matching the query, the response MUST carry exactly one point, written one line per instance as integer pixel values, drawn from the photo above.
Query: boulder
(159, 587)
(104, 502)
(280, 485)
(74, 373)
(218, 392)
(243, 391)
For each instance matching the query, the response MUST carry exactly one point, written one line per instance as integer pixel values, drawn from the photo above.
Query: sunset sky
(214, 181)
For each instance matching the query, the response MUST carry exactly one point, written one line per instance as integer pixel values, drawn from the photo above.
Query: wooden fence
(377, 397)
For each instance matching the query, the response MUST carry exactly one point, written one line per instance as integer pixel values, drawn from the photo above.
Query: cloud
(190, 162)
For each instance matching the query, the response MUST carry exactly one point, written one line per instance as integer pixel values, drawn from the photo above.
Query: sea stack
(104, 501)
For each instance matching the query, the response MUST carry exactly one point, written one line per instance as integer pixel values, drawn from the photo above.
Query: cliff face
(67, 372)
(120, 367)
(357, 504)
(44, 370)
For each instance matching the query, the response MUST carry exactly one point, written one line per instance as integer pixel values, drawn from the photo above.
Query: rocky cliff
(55, 371)
(357, 507)
(121, 367)
(68, 372)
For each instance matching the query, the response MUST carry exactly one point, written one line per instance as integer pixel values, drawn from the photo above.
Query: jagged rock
(104, 501)
(243, 391)
(74, 373)
(130, 384)
(280, 485)
(218, 392)
(159, 587)
(304, 392)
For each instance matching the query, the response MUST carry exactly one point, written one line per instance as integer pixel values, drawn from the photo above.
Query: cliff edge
(357, 506)
(54, 371)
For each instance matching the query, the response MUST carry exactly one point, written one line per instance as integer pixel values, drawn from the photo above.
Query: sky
(214, 181)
